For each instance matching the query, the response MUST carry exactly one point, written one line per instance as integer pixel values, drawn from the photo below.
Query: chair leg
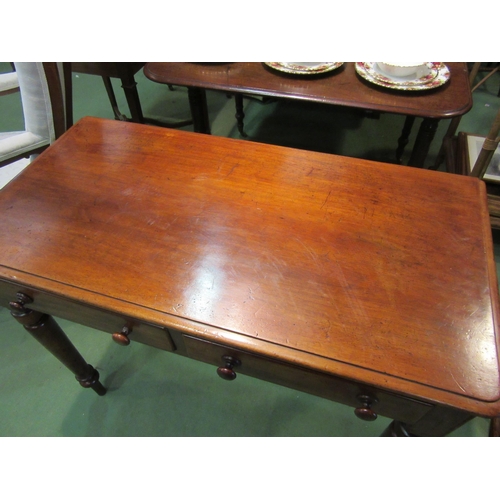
(491, 73)
(68, 92)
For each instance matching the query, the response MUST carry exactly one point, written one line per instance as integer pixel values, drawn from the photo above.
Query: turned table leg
(404, 139)
(240, 114)
(46, 331)
(129, 86)
(199, 109)
(423, 141)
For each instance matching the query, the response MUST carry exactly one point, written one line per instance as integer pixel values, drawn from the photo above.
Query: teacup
(403, 69)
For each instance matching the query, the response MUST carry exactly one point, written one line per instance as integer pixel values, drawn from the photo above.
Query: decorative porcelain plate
(438, 74)
(304, 68)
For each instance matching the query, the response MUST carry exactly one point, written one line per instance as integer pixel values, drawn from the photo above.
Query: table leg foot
(396, 429)
(91, 380)
(47, 332)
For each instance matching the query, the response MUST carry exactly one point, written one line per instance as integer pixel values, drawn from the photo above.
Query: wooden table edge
(149, 72)
(29, 283)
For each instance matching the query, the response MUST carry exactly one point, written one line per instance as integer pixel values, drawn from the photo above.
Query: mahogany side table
(364, 283)
(342, 87)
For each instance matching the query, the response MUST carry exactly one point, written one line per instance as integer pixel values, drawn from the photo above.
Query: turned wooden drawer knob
(122, 337)
(227, 371)
(365, 411)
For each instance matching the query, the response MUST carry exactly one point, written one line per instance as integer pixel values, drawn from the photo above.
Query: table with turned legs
(342, 87)
(365, 283)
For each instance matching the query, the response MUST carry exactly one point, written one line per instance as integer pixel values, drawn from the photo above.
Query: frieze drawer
(367, 401)
(136, 330)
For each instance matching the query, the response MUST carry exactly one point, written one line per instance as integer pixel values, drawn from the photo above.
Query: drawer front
(92, 317)
(326, 386)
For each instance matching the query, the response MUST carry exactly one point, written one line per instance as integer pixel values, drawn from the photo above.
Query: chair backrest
(43, 101)
(488, 149)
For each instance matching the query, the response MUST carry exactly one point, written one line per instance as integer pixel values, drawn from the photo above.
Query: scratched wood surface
(378, 266)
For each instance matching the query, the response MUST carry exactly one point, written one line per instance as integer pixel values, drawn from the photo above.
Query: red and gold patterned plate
(438, 74)
(304, 68)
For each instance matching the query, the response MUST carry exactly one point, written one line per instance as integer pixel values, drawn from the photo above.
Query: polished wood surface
(342, 87)
(379, 276)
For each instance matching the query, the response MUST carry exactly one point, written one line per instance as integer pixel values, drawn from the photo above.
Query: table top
(343, 87)
(108, 69)
(376, 272)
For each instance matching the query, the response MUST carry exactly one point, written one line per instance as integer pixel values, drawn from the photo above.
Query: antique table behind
(342, 87)
(369, 284)
(125, 71)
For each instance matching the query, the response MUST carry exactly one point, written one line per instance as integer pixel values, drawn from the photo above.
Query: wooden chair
(455, 122)
(464, 157)
(490, 69)
(42, 96)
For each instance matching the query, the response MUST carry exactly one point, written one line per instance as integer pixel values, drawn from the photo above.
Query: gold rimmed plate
(438, 74)
(304, 68)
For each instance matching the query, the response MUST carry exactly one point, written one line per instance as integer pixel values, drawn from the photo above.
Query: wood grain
(377, 272)
(342, 87)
